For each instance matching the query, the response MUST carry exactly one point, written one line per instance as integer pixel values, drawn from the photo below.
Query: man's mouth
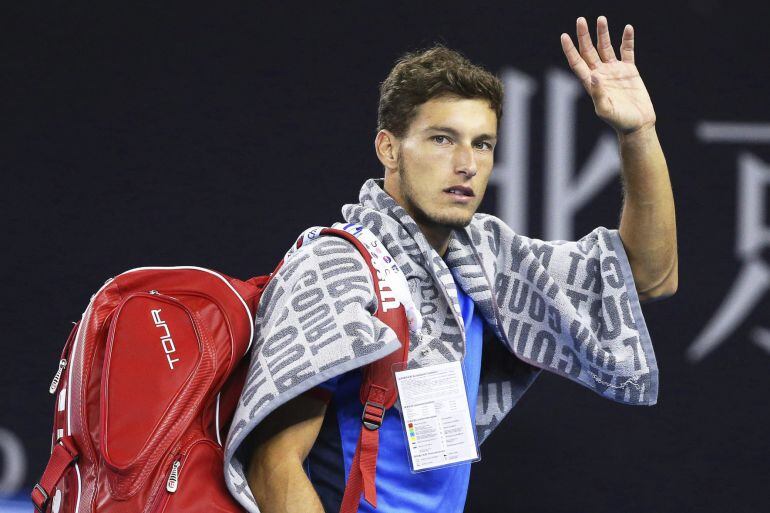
(460, 190)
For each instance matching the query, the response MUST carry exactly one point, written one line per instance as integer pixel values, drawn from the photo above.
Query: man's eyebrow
(487, 137)
(454, 133)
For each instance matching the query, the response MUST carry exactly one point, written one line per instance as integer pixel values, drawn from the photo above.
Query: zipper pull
(154, 292)
(173, 477)
(57, 376)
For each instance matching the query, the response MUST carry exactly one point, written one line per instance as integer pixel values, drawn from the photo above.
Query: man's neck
(437, 236)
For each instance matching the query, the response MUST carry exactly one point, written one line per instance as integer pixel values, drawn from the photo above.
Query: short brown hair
(422, 75)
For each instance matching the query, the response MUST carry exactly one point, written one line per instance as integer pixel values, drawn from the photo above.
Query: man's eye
(484, 145)
(440, 139)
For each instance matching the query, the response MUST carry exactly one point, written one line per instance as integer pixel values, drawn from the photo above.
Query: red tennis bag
(141, 402)
(148, 382)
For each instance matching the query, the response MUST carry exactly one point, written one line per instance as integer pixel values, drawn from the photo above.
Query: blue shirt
(398, 489)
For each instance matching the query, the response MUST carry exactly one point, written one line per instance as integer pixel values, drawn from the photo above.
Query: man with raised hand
(572, 308)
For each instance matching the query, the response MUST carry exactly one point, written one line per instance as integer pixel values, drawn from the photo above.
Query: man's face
(445, 160)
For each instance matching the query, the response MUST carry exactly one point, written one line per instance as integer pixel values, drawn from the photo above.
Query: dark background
(138, 134)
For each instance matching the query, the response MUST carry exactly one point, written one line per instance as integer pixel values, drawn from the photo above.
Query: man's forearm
(648, 223)
(283, 487)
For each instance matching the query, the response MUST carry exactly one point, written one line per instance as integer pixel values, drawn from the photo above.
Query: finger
(587, 50)
(603, 43)
(627, 46)
(576, 62)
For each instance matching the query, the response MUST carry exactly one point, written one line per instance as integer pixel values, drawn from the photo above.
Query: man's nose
(465, 161)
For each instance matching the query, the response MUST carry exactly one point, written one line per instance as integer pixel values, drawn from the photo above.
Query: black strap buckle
(372, 415)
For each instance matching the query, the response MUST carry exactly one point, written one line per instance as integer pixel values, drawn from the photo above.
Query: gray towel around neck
(570, 308)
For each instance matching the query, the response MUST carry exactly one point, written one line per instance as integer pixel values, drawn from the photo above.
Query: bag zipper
(174, 473)
(63, 359)
(172, 483)
(57, 376)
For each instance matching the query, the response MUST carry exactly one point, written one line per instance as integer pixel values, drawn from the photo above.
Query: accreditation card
(437, 422)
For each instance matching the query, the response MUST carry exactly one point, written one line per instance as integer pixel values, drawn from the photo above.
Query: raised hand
(615, 86)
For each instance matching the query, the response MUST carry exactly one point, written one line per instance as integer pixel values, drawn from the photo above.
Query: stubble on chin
(424, 217)
(443, 219)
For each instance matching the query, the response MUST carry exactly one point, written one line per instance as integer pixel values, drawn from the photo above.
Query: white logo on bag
(165, 339)
(387, 295)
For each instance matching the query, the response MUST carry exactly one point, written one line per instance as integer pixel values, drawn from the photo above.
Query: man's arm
(647, 225)
(282, 442)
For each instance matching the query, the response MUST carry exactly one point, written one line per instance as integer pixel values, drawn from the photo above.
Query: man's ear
(386, 145)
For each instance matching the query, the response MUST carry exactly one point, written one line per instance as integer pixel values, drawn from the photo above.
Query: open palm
(615, 86)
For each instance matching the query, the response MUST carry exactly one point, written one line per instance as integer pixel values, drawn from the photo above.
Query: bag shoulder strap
(64, 454)
(378, 392)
